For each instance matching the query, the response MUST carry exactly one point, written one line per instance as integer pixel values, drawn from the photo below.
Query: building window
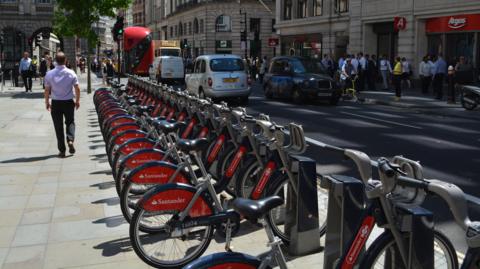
(302, 9)
(223, 24)
(273, 26)
(171, 31)
(341, 6)
(8, 1)
(185, 29)
(38, 1)
(189, 28)
(201, 26)
(287, 10)
(180, 29)
(195, 26)
(318, 7)
(176, 30)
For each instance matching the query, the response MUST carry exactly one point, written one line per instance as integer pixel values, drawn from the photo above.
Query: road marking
(380, 120)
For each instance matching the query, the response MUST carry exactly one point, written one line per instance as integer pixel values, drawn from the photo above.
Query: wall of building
(209, 11)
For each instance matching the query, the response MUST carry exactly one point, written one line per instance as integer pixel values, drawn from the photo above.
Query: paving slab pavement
(413, 100)
(64, 213)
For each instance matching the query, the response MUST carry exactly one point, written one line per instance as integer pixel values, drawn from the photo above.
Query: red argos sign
(468, 22)
(457, 23)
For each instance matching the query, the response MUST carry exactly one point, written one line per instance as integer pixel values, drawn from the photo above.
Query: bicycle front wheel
(383, 253)
(164, 249)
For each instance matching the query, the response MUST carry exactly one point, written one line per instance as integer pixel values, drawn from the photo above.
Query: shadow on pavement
(30, 159)
(29, 95)
(108, 201)
(103, 172)
(114, 247)
(111, 222)
(104, 185)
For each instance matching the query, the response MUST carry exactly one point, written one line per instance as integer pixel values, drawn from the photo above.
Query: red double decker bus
(138, 50)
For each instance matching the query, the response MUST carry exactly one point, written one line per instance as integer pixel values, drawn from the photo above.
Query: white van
(167, 69)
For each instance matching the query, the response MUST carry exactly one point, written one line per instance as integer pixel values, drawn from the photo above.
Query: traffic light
(37, 40)
(185, 44)
(2, 38)
(117, 30)
(243, 36)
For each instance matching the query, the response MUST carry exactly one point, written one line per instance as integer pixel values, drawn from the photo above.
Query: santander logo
(457, 23)
(168, 202)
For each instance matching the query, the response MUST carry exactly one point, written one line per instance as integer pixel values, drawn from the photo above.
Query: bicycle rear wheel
(162, 249)
(382, 253)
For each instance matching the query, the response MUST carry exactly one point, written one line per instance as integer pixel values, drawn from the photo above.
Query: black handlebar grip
(412, 182)
(386, 169)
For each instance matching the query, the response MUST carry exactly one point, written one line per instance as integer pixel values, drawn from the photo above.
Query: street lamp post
(244, 35)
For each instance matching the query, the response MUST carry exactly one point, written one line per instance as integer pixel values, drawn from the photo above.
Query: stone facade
(20, 20)
(367, 27)
(210, 38)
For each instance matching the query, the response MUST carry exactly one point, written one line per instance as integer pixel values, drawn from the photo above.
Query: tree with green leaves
(75, 18)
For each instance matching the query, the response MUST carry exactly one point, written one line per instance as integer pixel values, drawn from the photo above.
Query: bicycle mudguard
(225, 260)
(156, 172)
(125, 136)
(175, 197)
(114, 130)
(120, 117)
(134, 145)
(140, 157)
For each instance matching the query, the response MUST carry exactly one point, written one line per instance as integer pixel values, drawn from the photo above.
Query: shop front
(302, 45)
(455, 36)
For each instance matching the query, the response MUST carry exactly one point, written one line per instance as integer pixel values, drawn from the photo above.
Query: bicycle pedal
(229, 249)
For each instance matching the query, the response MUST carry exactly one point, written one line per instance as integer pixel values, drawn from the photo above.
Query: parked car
(219, 76)
(167, 69)
(300, 79)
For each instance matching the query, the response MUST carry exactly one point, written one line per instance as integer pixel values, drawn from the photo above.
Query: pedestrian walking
(407, 72)
(104, 72)
(15, 74)
(385, 71)
(362, 71)
(397, 78)
(25, 69)
(110, 71)
(370, 72)
(59, 85)
(34, 66)
(451, 81)
(263, 69)
(43, 69)
(425, 72)
(439, 77)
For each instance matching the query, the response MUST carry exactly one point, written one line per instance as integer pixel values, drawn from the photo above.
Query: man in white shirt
(59, 84)
(24, 70)
(425, 72)
(385, 71)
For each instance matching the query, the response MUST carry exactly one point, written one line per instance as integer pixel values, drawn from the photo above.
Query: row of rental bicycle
(187, 168)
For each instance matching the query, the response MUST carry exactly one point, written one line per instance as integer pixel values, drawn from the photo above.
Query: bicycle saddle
(255, 209)
(187, 145)
(168, 127)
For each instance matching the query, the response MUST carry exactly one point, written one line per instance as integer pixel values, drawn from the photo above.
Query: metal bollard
(346, 200)
(301, 222)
